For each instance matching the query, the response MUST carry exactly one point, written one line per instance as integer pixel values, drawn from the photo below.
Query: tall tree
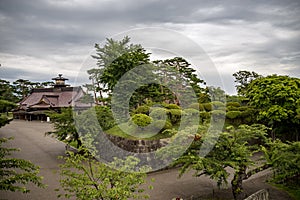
(105, 56)
(180, 70)
(243, 79)
(22, 88)
(277, 99)
(124, 63)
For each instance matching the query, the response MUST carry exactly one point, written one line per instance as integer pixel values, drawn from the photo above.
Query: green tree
(22, 88)
(284, 159)
(277, 98)
(15, 173)
(104, 116)
(178, 72)
(105, 56)
(243, 79)
(45, 84)
(85, 178)
(7, 91)
(216, 94)
(65, 129)
(124, 63)
(6, 106)
(232, 150)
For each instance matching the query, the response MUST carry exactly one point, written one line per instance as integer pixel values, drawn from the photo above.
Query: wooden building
(42, 100)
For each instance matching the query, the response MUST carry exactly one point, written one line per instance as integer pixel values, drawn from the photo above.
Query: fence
(259, 195)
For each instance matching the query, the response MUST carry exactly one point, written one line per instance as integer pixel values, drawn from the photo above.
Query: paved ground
(44, 150)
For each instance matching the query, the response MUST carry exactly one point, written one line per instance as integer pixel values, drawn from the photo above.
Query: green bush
(218, 105)
(218, 114)
(233, 114)
(141, 120)
(171, 106)
(142, 110)
(6, 106)
(175, 115)
(243, 108)
(105, 117)
(4, 120)
(232, 108)
(204, 115)
(160, 125)
(196, 106)
(158, 113)
(207, 106)
(190, 111)
(233, 104)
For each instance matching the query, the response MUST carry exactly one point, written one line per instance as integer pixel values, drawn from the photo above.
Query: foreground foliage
(85, 178)
(65, 129)
(232, 150)
(285, 160)
(15, 173)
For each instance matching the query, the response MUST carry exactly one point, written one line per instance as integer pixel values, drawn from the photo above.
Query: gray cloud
(59, 35)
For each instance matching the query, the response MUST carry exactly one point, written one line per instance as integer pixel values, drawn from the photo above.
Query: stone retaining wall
(137, 146)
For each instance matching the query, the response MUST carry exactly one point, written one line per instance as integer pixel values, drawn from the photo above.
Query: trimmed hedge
(233, 114)
(142, 110)
(141, 120)
(190, 111)
(218, 105)
(233, 104)
(171, 106)
(207, 106)
(175, 115)
(196, 106)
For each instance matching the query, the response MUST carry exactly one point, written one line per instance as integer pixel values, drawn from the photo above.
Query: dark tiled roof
(52, 97)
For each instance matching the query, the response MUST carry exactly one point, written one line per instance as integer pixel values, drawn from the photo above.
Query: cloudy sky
(40, 39)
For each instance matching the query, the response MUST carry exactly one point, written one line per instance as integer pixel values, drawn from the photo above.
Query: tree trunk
(237, 184)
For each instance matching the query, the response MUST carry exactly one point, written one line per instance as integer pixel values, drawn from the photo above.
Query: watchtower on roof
(60, 81)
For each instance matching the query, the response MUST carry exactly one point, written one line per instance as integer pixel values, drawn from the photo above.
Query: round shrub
(171, 106)
(175, 115)
(196, 106)
(142, 110)
(233, 114)
(218, 114)
(243, 108)
(207, 106)
(158, 113)
(233, 104)
(231, 108)
(218, 105)
(190, 111)
(141, 120)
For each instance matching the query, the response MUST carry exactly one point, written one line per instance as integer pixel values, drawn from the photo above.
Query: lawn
(130, 132)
